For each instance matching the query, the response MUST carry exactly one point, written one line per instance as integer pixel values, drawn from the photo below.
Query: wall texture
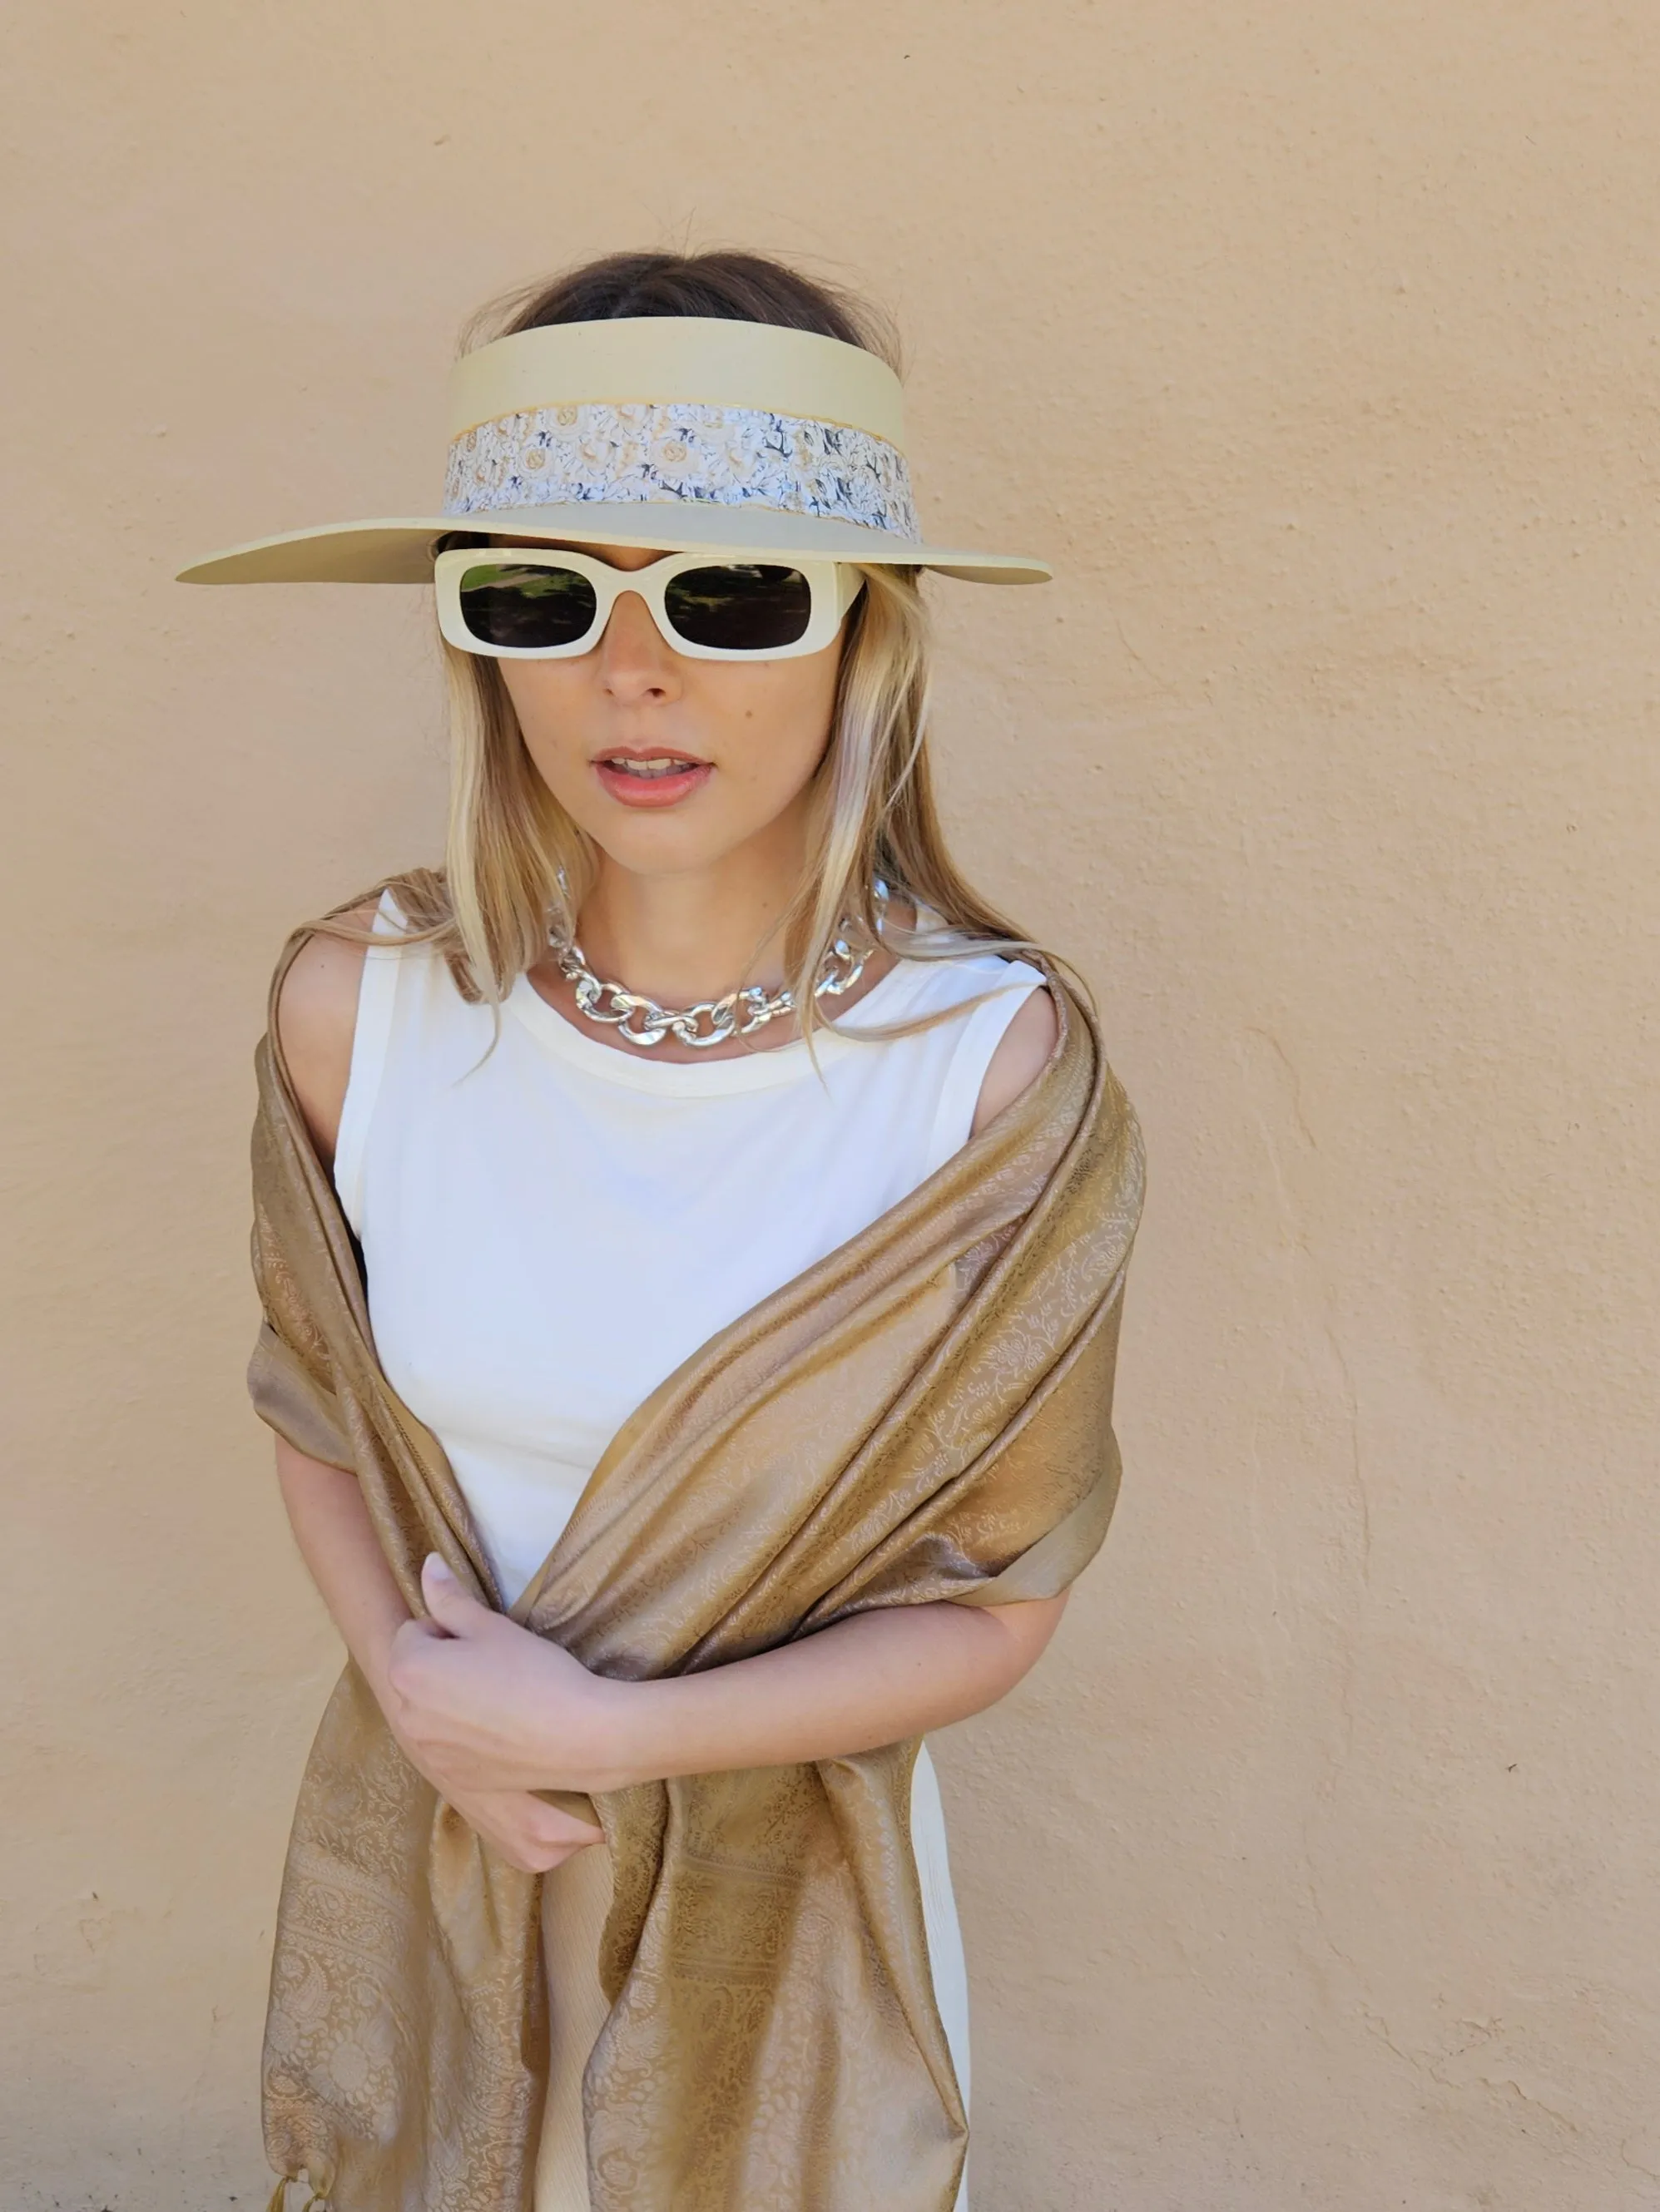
(1318, 347)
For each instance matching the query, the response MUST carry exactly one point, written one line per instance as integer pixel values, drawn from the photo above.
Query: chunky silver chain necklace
(711, 1021)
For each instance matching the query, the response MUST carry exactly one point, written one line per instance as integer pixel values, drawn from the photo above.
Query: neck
(694, 934)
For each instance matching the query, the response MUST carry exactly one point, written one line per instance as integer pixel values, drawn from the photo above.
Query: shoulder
(317, 1019)
(1022, 1053)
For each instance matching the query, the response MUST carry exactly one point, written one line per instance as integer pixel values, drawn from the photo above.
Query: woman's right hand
(524, 1829)
(332, 1526)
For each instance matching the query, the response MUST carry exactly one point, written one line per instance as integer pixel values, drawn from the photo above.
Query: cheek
(549, 702)
(777, 722)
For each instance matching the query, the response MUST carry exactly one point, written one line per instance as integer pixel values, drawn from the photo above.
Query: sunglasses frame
(833, 586)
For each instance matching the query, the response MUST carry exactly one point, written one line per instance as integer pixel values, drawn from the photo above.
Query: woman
(690, 1237)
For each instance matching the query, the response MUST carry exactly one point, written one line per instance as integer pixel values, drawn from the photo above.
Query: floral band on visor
(663, 450)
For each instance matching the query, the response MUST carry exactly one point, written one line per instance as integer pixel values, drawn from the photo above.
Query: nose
(637, 662)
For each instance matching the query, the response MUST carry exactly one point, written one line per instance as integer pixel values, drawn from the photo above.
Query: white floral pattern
(675, 449)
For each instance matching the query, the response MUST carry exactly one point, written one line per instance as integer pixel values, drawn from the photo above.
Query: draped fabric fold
(925, 1414)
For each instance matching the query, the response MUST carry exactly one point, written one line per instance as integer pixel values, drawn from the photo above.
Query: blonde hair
(518, 868)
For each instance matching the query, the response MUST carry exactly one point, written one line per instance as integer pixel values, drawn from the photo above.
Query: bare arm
(330, 1525)
(881, 1676)
(1021, 1056)
(488, 1705)
(316, 1015)
(316, 1021)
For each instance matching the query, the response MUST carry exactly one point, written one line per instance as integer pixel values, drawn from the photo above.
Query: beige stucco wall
(1315, 1867)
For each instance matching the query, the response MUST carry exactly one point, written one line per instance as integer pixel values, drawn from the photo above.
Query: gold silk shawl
(924, 1414)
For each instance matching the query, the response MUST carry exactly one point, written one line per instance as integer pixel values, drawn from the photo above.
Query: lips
(653, 764)
(650, 775)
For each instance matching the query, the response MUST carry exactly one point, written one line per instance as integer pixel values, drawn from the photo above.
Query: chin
(659, 845)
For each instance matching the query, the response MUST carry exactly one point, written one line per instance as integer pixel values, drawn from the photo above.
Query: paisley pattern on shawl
(926, 1413)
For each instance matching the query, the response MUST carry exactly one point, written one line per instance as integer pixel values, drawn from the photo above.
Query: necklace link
(739, 1013)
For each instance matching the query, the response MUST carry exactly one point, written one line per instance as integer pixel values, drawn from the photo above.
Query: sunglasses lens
(739, 606)
(528, 609)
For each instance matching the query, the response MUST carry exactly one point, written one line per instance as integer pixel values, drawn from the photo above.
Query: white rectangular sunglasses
(534, 603)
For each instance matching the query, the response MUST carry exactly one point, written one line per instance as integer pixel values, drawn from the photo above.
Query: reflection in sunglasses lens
(741, 606)
(527, 608)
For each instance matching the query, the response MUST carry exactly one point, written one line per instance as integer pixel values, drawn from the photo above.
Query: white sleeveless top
(549, 1228)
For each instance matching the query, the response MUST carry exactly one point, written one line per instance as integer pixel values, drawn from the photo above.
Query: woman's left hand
(488, 1705)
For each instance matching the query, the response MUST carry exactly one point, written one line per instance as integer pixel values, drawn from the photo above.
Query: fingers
(542, 1858)
(531, 1835)
(450, 1614)
(448, 1604)
(549, 1835)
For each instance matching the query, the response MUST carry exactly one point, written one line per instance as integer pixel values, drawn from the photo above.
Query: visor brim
(400, 551)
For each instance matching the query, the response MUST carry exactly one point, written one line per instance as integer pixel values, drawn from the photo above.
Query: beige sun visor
(667, 357)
